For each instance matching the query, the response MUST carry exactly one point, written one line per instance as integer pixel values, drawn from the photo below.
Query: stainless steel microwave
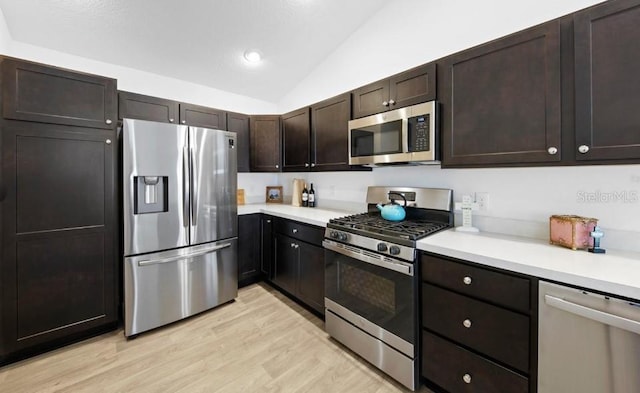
(405, 135)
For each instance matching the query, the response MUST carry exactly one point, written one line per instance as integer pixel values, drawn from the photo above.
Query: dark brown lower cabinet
(459, 370)
(58, 272)
(476, 338)
(250, 247)
(298, 266)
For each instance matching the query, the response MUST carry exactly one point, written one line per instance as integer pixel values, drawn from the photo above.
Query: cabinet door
(311, 276)
(202, 116)
(239, 124)
(264, 137)
(413, 87)
(58, 265)
(45, 94)
(501, 101)
(138, 106)
(285, 272)
(266, 263)
(249, 247)
(371, 99)
(330, 134)
(295, 141)
(607, 60)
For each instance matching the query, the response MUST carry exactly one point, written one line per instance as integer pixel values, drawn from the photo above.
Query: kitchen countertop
(308, 215)
(615, 272)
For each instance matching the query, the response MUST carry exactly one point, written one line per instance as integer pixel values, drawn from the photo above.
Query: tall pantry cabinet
(58, 212)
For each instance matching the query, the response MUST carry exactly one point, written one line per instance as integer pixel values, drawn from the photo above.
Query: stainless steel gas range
(371, 279)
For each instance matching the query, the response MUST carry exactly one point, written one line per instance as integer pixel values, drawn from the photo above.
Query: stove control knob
(342, 236)
(333, 234)
(394, 250)
(382, 247)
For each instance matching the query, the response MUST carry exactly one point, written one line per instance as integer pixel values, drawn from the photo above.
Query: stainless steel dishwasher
(588, 342)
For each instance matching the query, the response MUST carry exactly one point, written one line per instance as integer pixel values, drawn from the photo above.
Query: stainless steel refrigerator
(180, 222)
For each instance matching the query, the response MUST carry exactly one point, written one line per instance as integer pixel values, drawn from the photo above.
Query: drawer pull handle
(467, 280)
(466, 323)
(466, 378)
(294, 230)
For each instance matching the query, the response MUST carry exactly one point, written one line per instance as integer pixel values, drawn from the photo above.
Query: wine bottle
(305, 196)
(312, 197)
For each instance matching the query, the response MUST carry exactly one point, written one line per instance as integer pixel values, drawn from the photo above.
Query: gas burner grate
(411, 229)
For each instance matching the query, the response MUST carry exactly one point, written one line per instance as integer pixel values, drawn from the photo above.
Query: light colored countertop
(308, 215)
(615, 272)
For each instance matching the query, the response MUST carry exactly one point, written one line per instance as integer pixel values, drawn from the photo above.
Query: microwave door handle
(405, 135)
(395, 266)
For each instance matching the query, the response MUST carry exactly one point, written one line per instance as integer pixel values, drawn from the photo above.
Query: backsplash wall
(520, 199)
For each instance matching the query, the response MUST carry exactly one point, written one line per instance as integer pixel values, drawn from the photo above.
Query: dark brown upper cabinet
(239, 124)
(296, 130)
(407, 88)
(501, 101)
(264, 137)
(138, 106)
(607, 61)
(330, 134)
(202, 116)
(44, 94)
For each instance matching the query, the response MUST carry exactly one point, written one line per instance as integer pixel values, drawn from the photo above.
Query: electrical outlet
(482, 199)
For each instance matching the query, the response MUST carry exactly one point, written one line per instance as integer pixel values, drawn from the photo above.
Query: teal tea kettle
(393, 211)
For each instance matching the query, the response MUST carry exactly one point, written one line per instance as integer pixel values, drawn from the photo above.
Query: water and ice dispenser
(151, 194)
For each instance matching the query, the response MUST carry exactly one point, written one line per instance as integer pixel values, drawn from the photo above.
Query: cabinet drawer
(499, 288)
(494, 331)
(297, 230)
(446, 364)
(44, 94)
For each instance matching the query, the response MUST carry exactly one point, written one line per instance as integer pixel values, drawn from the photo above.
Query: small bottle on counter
(305, 196)
(312, 197)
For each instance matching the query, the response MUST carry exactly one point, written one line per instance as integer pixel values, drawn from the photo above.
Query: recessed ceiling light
(252, 56)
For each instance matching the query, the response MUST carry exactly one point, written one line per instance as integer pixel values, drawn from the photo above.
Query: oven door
(373, 292)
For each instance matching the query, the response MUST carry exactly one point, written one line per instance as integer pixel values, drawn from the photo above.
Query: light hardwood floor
(262, 342)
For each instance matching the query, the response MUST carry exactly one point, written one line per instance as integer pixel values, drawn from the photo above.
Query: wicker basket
(571, 231)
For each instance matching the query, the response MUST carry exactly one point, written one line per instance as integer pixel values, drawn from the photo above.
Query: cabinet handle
(277, 166)
(583, 149)
(294, 230)
(385, 103)
(392, 102)
(552, 150)
(108, 141)
(293, 245)
(268, 221)
(306, 165)
(313, 164)
(466, 378)
(108, 121)
(171, 120)
(467, 280)
(466, 323)
(184, 122)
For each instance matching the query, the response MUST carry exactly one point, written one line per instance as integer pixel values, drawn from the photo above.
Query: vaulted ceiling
(201, 41)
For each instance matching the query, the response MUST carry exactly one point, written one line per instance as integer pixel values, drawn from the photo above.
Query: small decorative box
(571, 231)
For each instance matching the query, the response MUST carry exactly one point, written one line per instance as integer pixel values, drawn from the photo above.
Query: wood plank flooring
(262, 342)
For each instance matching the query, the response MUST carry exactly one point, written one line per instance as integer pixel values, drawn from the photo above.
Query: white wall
(407, 33)
(5, 37)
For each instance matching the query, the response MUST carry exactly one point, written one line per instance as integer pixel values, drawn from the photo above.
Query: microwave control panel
(419, 133)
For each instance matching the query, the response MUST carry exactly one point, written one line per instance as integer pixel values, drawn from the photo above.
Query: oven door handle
(399, 267)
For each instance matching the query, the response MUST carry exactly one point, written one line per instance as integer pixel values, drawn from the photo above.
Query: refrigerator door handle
(185, 186)
(148, 262)
(194, 185)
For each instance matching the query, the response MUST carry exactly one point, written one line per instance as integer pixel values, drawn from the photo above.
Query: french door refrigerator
(180, 222)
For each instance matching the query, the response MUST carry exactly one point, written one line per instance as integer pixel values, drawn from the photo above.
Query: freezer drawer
(164, 287)
(588, 343)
